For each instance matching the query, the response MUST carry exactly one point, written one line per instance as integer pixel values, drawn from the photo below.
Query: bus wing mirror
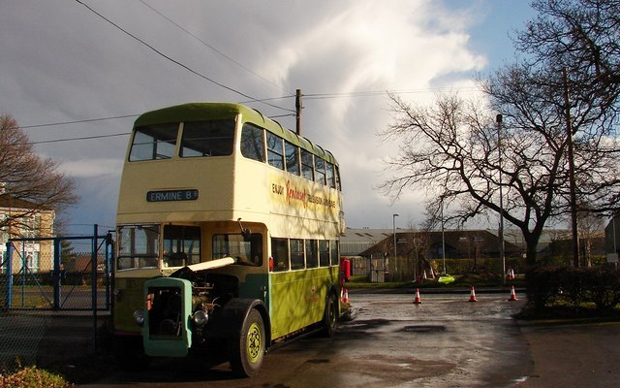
(247, 233)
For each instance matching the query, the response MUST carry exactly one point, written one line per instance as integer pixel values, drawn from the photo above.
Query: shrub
(603, 288)
(31, 377)
(542, 284)
(576, 287)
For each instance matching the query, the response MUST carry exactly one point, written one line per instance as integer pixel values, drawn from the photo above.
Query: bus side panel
(254, 286)
(298, 298)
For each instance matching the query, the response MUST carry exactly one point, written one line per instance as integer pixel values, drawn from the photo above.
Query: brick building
(28, 223)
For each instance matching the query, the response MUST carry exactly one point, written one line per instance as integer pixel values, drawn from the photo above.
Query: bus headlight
(200, 318)
(138, 317)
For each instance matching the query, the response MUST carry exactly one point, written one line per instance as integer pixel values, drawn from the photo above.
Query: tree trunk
(531, 243)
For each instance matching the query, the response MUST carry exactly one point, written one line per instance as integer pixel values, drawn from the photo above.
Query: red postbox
(345, 269)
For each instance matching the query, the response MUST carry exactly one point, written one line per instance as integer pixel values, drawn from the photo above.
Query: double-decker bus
(228, 232)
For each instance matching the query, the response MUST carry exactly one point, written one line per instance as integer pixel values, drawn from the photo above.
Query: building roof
(458, 243)
(355, 241)
(19, 207)
(6, 200)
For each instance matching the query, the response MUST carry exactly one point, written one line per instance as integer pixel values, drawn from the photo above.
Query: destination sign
(172, 195)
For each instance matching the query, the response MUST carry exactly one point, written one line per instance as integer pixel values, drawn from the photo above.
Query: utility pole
(298, 108)
(394, 233)
(502, 254)
(571, 172)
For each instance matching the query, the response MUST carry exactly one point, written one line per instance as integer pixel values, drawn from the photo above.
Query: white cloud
(87, 168)
(62, 62)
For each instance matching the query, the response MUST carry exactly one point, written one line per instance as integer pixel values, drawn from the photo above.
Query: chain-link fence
(54, 293)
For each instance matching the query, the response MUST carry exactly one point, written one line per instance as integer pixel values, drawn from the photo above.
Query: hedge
(575, 287)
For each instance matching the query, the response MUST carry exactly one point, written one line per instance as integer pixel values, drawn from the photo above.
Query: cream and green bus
(228, 232)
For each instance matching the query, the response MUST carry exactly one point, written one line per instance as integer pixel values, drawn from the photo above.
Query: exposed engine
(209, 292)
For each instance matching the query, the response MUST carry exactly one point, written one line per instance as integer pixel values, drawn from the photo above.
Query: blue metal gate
(60, 273)
(55, 294)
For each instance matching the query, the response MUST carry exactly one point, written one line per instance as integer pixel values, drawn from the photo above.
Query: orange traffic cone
(417, 299)
(513, 295)
(472, 296)
(346, 296)
(342, 294)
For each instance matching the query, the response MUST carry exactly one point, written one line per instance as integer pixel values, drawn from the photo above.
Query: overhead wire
(79, 138)
(310, 96)
(77, 121)
(213, 48)
(178, 63)
(373, 93)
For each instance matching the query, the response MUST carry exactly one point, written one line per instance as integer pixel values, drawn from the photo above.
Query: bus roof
(200, 111)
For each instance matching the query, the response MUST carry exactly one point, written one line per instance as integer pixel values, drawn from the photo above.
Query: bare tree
(30, 184)
(450, 149)
(580, 36)
(590, 228)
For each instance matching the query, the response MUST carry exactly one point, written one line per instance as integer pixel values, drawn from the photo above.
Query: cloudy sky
(75, 74)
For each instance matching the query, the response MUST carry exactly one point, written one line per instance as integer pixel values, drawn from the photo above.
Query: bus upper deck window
(275, 152)
(307, 164)
(331, 181)
(207, 138)
(153, 142)
(252, 143)
(292, 158)
(319, 168)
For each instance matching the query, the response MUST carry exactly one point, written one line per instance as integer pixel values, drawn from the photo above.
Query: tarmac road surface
(444, 342)
(573, 355)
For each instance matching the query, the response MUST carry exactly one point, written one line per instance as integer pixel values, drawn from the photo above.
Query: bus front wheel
(247, 350)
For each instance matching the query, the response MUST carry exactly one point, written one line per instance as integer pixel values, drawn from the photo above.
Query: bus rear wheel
(246, 351)
(330, 317)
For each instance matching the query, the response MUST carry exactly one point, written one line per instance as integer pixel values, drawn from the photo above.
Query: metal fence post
(109, 259)
(56, 276)
(93, 265)
(24, 271)
(9, 274)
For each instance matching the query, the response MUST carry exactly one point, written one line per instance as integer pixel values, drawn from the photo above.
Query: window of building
(32, 262)
(4, 231)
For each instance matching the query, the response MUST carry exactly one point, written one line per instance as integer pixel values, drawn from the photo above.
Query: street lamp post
(501, 200)
(443, 239)
(394, 233)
